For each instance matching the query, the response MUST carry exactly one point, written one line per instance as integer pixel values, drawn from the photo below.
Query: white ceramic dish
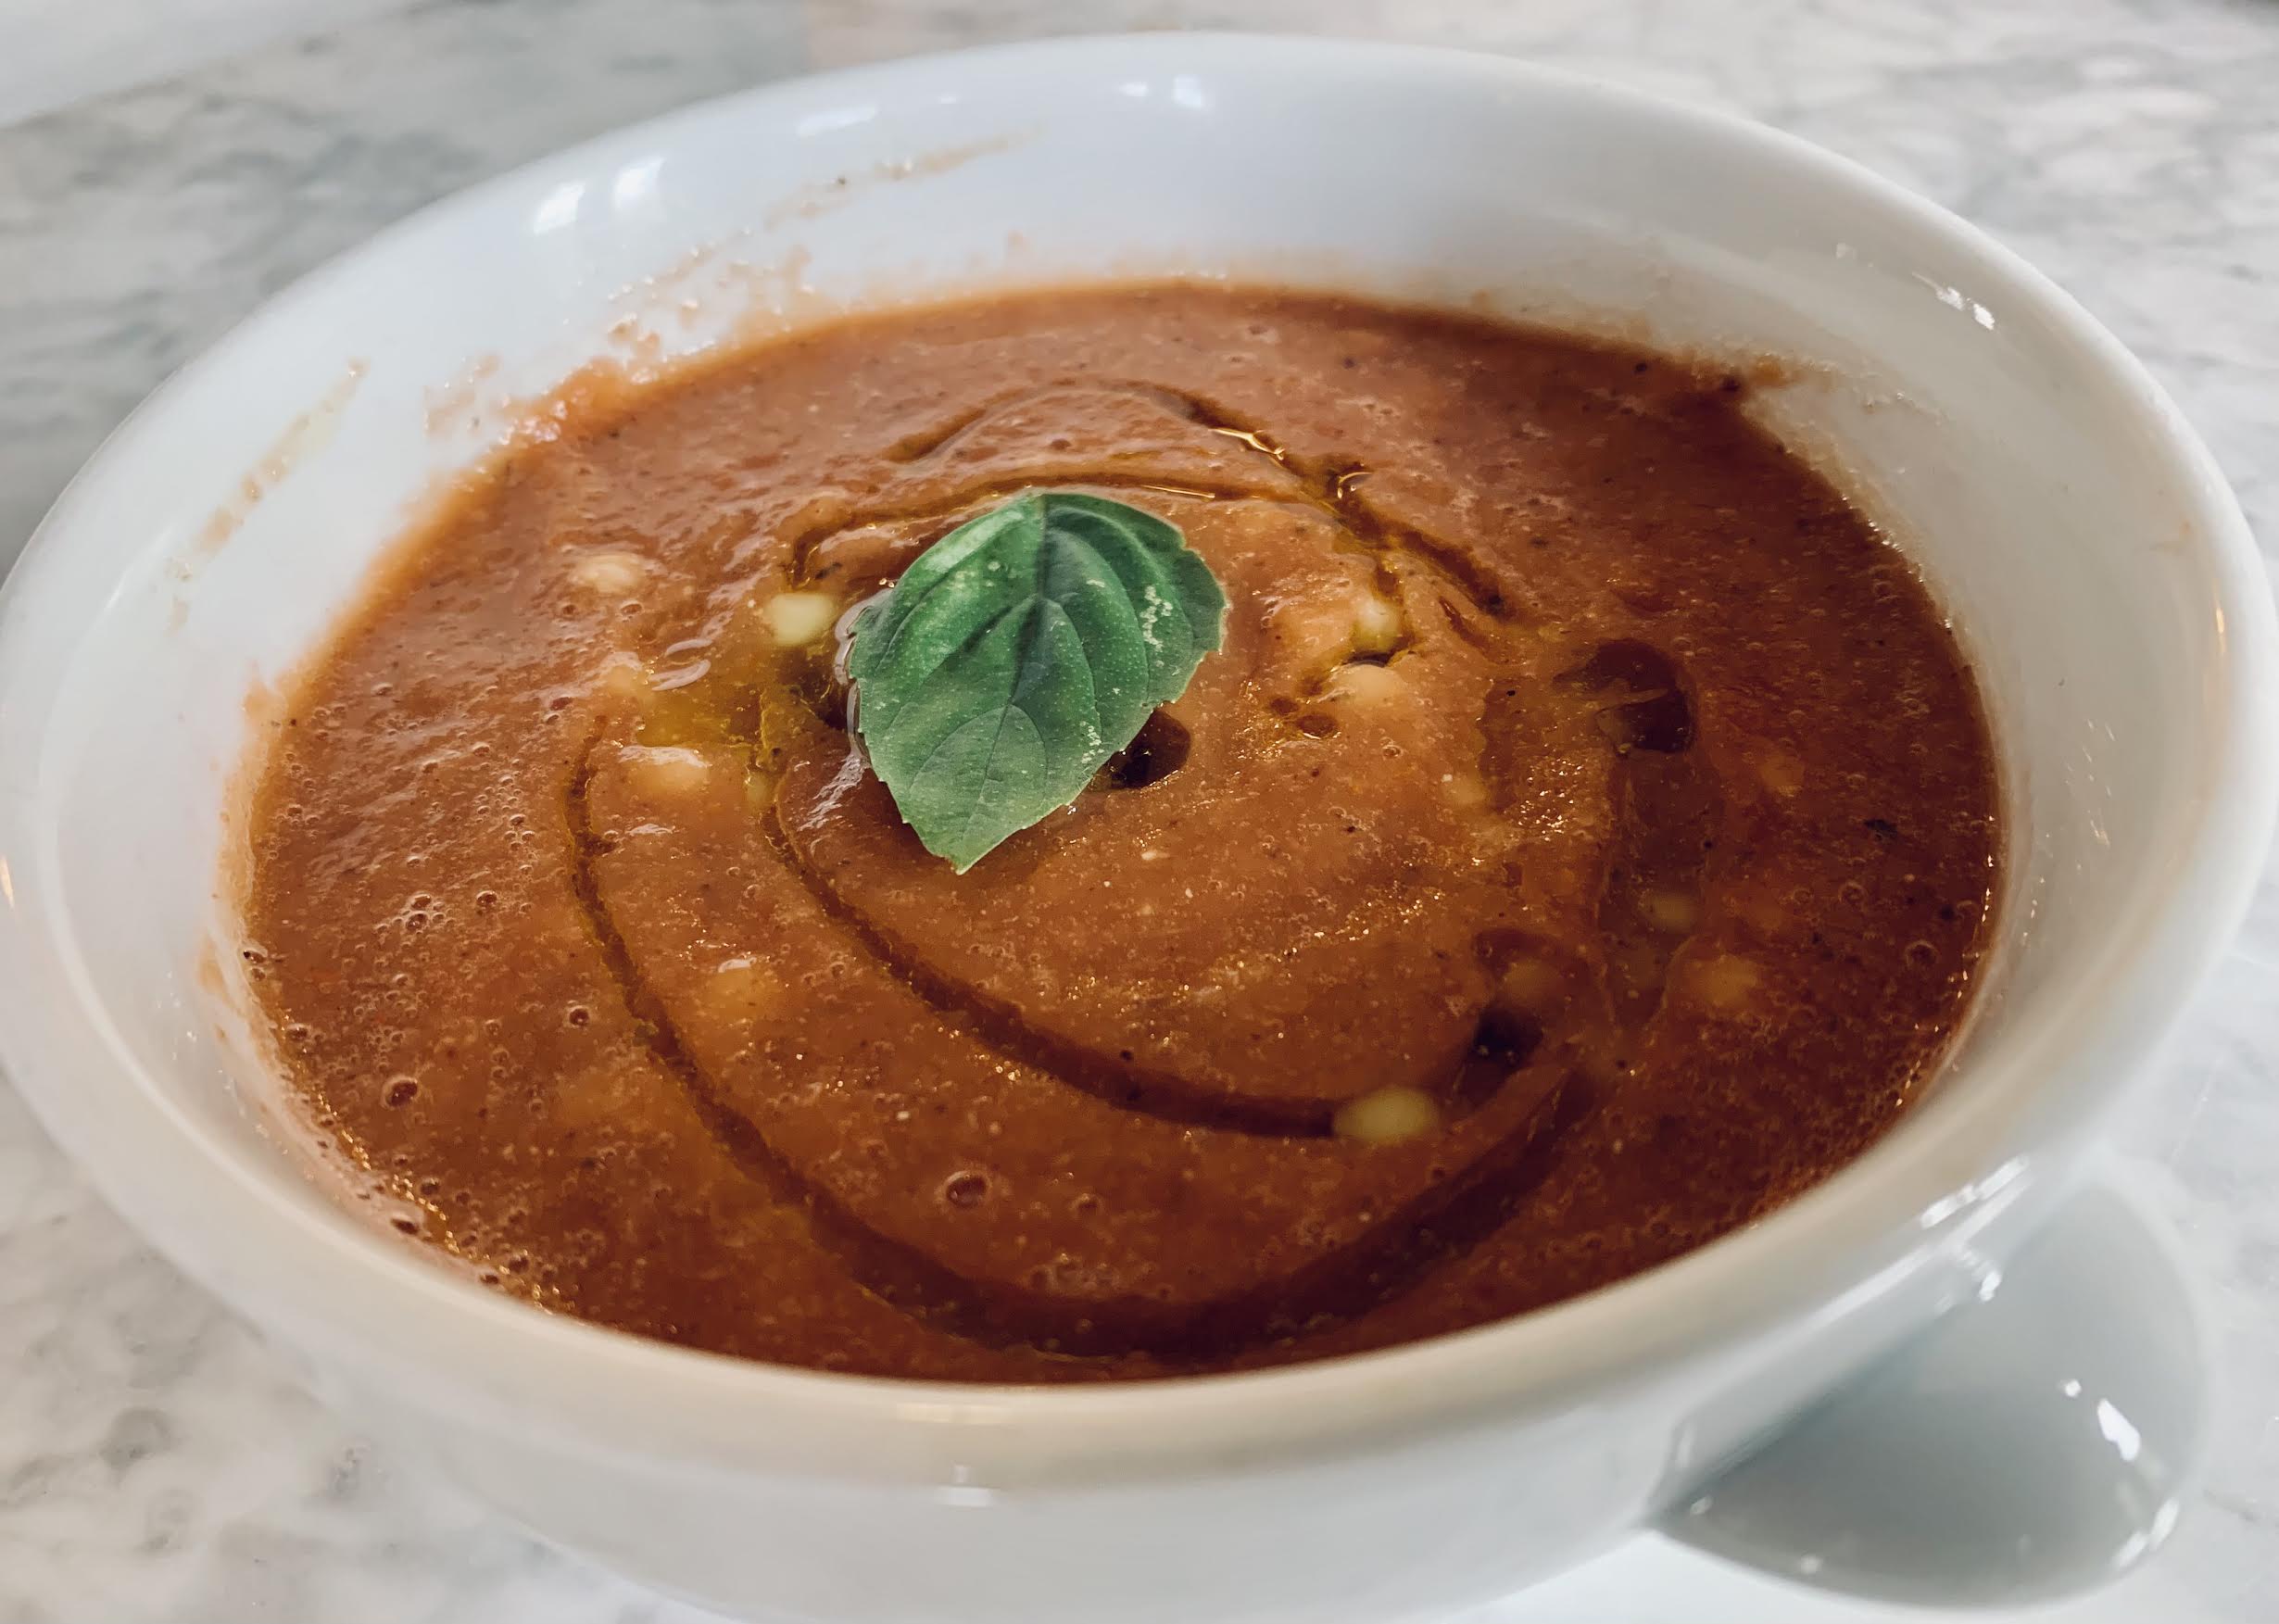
(2085, 543)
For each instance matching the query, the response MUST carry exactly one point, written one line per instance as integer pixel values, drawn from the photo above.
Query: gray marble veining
(156, 1463)
(135, 229)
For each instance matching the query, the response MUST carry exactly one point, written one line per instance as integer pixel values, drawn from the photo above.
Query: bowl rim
(407, 1315)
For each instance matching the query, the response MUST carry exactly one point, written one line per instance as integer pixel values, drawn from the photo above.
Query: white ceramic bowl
(2087, 546)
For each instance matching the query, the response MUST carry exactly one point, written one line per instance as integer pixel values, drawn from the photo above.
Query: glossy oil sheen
(1585, 791)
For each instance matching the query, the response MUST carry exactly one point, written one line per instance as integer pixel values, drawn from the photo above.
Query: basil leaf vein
(1017, 654)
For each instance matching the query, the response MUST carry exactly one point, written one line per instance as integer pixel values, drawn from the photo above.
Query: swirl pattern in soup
(1583, 842)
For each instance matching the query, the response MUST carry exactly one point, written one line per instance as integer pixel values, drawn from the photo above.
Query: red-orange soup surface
(1584, 841)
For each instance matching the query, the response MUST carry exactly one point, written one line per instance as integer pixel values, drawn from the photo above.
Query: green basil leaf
(1017, 654)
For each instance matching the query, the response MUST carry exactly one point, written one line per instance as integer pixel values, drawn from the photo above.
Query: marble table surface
(156, 1463)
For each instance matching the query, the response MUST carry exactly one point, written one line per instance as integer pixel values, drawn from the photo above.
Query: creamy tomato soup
(1582, 842)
